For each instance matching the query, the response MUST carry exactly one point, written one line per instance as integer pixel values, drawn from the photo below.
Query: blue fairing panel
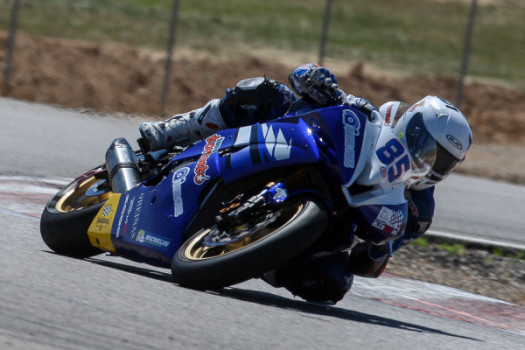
(265, 146)
(341, 134)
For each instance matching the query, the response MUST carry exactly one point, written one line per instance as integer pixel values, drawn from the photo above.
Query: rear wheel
(67, 217)
(216, 257)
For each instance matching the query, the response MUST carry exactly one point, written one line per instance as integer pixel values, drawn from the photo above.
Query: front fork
(238, 211)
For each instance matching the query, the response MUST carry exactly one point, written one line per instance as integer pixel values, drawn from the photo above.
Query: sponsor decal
(351, 126)
(455, 142)
(136, 215)
(152, 239)
(388, 114)
(128, 213)
(389, 221)
(213, 143)
(106, 219)
(106, 210)
(178, 179)
(415, 105)
(99, 232)
(122, 215)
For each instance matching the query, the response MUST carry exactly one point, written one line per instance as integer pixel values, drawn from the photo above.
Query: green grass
(454, 249)
(419, 36)
(520, 255)
(459, 249)
(420, 242)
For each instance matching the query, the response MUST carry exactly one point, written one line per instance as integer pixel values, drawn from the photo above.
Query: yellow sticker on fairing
(99, 231)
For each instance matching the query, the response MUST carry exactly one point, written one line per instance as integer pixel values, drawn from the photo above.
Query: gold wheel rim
(196, 250)
(73, 199)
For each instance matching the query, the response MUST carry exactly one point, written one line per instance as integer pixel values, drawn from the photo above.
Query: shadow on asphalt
(269, 299)
(142, 271)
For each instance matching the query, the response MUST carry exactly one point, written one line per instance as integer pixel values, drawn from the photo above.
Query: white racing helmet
(437, 136)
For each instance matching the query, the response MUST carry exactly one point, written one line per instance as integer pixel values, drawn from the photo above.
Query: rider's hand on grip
(321, 86)
(363, 105)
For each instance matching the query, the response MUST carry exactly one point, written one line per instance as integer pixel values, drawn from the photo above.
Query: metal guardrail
(472, 242)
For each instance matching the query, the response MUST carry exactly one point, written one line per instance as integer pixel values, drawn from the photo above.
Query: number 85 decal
(388, 154)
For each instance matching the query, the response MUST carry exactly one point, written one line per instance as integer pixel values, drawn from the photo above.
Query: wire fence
(325, 22)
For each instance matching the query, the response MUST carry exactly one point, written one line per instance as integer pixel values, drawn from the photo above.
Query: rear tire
(298, 223)
(67, 217)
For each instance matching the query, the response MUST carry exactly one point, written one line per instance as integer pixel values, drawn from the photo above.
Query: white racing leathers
(183, 129)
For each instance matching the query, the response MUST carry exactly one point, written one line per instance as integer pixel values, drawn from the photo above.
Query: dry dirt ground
(112, 78)
(109, 78)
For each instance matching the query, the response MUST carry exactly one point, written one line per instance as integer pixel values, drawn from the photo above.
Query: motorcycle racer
(431, 125)
(253, 100)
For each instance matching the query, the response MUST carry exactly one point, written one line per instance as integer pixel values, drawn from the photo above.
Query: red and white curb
(442, 301)
(25, 196)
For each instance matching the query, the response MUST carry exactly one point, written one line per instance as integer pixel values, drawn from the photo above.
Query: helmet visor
(422, 146)
(444, 166)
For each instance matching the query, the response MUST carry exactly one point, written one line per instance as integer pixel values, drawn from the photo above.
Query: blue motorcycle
(242, 201)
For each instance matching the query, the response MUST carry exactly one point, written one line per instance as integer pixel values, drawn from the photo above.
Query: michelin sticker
(152, 239)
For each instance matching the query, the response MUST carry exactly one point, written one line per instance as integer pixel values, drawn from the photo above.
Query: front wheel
(68, 215)
(216, 257)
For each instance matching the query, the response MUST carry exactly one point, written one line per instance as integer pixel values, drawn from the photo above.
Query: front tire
(292, 228)
(68, 215)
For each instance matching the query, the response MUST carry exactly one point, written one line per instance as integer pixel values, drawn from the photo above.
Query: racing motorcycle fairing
(136, 227)
(343, 136)
(331, 136)
(265, 146)
(99, 232)
(148, 222)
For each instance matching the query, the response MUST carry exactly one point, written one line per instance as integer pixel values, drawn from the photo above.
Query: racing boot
(183, 129)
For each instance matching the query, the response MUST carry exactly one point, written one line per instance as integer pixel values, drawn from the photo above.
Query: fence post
(466, 53)
(10, 46)
(171, 43)
(326, 25)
